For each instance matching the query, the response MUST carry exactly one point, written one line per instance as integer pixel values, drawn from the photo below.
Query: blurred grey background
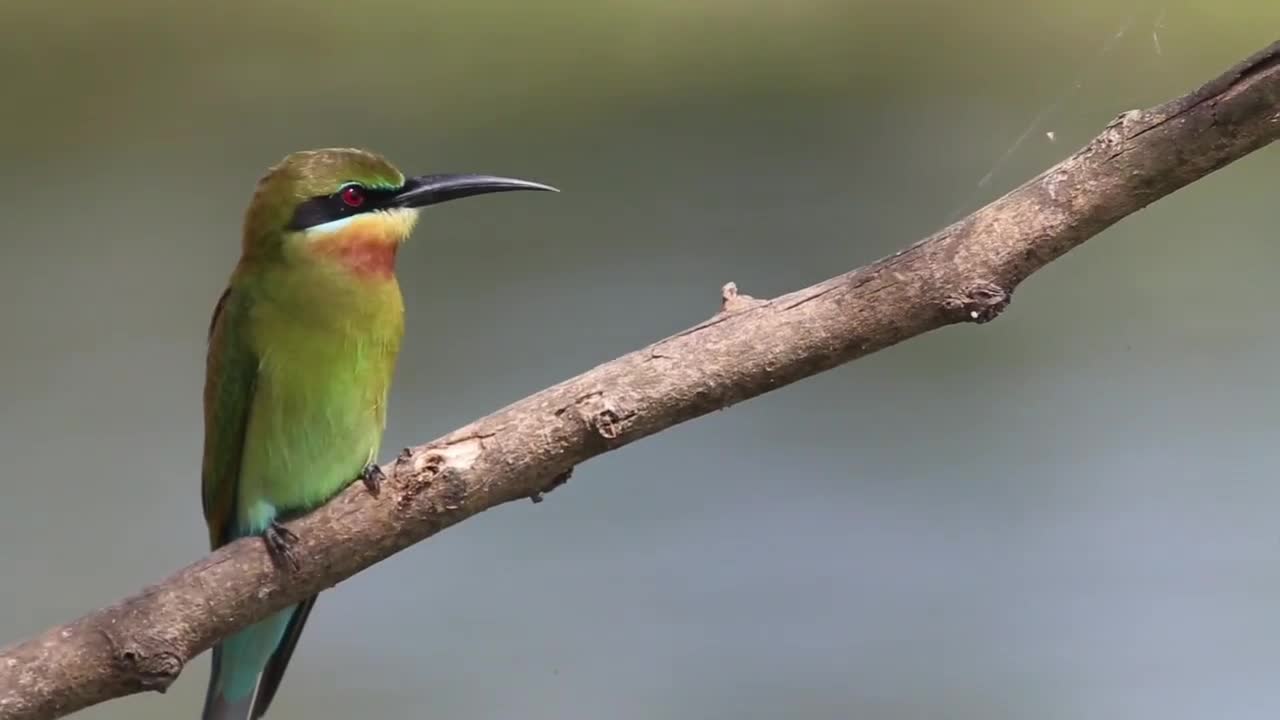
(1069, 513)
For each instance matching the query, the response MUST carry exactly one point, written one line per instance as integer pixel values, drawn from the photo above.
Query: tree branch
(964, 273)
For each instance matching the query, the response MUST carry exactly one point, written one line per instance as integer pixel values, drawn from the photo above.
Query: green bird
(302, 347)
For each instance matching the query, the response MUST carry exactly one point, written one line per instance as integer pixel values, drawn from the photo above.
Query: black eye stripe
(327, 208)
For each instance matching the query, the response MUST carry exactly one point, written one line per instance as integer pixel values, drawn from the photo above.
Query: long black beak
(433, 189)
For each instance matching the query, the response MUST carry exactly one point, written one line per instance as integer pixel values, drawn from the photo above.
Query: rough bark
(964, 273)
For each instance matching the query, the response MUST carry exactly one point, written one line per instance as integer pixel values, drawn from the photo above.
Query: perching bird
(302, 347)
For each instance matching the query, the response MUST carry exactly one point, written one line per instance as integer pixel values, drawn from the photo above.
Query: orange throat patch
(366, 244)
(365, 258)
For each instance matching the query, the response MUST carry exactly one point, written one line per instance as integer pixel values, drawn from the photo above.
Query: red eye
(353, 196)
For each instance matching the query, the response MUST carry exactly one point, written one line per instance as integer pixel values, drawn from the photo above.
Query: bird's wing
(230, 379)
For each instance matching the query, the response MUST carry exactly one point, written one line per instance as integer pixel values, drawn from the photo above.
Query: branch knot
(979, 303)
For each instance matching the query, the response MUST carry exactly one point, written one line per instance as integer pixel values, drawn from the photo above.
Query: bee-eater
(302, 347)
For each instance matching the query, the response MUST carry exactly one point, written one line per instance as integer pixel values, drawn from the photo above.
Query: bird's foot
(280, 541)
(372, 477)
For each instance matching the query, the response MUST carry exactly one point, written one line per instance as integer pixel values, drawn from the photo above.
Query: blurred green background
(1069, 513)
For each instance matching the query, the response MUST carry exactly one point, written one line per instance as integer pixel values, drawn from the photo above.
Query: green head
(344, 198)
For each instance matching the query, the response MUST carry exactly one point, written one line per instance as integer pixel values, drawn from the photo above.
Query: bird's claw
(372, 477)
(280, 540)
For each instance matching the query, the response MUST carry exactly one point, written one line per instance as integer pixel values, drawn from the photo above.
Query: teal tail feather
(249, 665)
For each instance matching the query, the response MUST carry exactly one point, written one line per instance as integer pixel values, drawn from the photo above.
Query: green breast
(325, 365)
